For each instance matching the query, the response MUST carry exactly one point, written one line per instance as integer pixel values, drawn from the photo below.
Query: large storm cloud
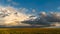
(11, 17)
(43, 18)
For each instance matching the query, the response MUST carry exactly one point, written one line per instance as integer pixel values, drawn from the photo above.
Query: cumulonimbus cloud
(45, 19)
(9, 16)
(13, 17)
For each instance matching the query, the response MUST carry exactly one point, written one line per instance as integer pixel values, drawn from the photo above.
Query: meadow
(29, 30)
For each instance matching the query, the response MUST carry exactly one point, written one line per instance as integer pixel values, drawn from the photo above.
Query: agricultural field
(29, 30)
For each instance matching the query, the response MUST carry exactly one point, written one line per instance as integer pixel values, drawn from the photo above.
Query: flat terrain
(29, 30)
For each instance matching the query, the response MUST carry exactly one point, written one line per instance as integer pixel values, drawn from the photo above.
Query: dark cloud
(44, 19)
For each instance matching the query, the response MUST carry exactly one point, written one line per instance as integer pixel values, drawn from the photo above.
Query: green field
(29, 30)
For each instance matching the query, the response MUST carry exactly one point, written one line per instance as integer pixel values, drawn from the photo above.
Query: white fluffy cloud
(11, 17)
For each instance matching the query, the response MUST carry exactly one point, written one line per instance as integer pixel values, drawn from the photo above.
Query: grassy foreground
(29, 30)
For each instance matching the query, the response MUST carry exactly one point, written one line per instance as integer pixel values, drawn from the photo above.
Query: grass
(29, 30)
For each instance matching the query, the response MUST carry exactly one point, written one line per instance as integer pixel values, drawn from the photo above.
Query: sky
(33, 5)
(40, 12)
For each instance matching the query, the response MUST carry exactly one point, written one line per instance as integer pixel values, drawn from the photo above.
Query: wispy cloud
(23, 10)
(33, 10)
(15, 3)
(58, 8)
(9, 0)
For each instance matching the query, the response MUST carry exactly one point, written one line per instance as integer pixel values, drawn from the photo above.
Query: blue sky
(38, 5)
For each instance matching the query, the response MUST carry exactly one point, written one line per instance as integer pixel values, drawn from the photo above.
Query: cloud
(49, 19)
(23, 10)
(58, 8)
(12, 17)
(9, 0)
(33, 10)
(52, 16)
(15, 3)
(17, 17)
